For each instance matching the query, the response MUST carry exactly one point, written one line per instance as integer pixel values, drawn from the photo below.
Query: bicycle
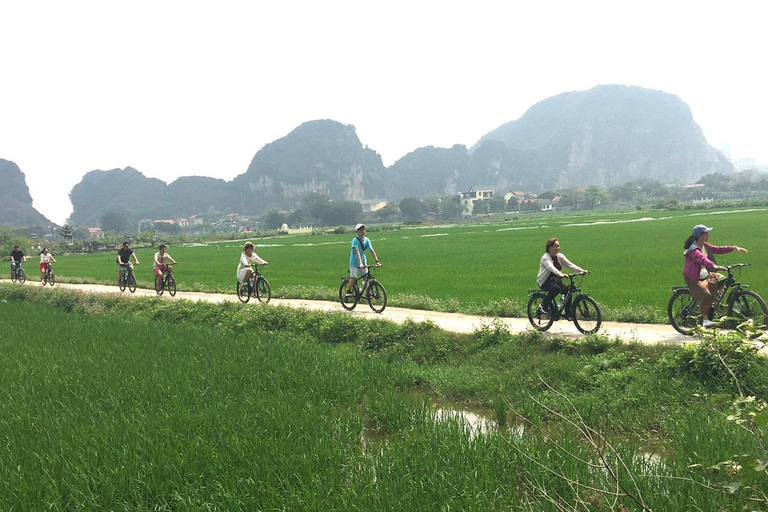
(575, 306)
(257, 285)
(17, 273)
(48, 276)
(741, 305)
(372, 290)
(166, 281)
(127, 280)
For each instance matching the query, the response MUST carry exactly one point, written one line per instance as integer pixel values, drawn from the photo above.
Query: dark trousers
(553, 285)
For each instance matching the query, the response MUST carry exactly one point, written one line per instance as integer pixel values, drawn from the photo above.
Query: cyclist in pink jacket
(702, 282)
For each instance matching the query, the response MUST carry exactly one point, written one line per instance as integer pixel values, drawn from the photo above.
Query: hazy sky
(177, 88)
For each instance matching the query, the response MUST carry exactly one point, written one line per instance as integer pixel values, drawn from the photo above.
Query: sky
(181, 88)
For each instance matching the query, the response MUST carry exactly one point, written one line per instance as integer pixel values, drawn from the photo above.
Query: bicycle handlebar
(736, 265)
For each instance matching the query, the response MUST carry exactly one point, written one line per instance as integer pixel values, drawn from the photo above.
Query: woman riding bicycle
(45, 259)
(160, 264)
(550, 278)
(697, 271)
(244, 272)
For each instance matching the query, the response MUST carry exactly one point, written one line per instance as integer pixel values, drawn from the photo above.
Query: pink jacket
(695, 259)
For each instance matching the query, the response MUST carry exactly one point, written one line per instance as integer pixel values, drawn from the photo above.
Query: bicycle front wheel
(243, 292)
(13, 276)
(50, 276)
(21, 276)
(586, 314)
(131, 282)
(540, 318)
(159, 285)
(263, 290)
(121, 282)
(746, 305)
(171, 285)
(348, 302)
(377, 296)
(683, 312)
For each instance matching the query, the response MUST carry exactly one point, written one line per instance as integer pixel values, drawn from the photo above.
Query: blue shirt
(361, 246)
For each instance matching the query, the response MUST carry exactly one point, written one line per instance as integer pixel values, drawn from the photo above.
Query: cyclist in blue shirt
(357, 260)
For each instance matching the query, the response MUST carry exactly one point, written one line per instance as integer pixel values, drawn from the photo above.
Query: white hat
(357, 228)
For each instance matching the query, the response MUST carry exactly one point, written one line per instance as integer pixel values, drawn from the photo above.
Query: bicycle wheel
(263, 291)
(377, 296)
(586, 314)
(540, 318)
(50, 276)
(121, 281)
(682, 311)
(746, 305)
(159, 284)
(131, 282)
(13, 275)
(243, 292)
(21, 276)
(171, 285)
(348, 302)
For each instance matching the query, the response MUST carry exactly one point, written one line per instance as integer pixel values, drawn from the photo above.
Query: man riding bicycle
(17, 256)
(124, 259)
(357, 260)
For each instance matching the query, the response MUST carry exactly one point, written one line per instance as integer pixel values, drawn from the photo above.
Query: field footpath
(455, 322)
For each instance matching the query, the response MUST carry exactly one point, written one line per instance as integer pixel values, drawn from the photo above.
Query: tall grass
(158, 405)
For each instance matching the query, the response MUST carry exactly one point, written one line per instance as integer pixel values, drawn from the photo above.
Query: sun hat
(699, 229)
(357, 228)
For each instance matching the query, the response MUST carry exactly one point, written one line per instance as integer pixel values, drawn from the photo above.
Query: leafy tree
(595, 195)
(481, 207)
(116, 221)
(412, 209)
(273, 219)
(450, 207)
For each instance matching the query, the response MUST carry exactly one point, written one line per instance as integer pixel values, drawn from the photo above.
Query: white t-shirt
(162, 259)
(45, 257)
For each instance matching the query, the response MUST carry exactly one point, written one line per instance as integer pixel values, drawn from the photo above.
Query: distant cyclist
(702, 282)
(124, 259)
(45, 258)
(247, 257)
(17, 256)
(550, 278)
(357, 260)
(160, 263)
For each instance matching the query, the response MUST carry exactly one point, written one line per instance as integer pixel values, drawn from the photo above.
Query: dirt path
(456, 322)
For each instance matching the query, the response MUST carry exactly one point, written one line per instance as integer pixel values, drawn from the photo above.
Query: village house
(473, 195)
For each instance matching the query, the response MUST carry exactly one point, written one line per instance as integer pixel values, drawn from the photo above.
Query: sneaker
(349, 294)
(707, 324)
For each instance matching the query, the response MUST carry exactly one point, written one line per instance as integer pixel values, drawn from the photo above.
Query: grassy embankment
(113, 403)
(483, 269)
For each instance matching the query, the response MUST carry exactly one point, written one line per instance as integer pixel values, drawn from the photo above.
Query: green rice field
(634, 257)
(147, 404)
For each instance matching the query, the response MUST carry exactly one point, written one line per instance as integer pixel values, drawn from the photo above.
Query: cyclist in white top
(244, 271)
(160, 263)
(45, 259)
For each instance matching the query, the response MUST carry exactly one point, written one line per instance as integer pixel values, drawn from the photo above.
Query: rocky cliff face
(607, 136)
(15, 202)
(324, 157)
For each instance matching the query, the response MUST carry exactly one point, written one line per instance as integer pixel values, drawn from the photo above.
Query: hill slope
(16, 208)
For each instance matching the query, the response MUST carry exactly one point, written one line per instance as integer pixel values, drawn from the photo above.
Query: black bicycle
(127, 279)
(17, 273)
(575, 306)
(734, 303)
(48, 275)
(258, 286)
(166, 281)
(372, 290)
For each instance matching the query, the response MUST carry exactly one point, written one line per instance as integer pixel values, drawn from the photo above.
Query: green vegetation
(478, 268)
(148, 404)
